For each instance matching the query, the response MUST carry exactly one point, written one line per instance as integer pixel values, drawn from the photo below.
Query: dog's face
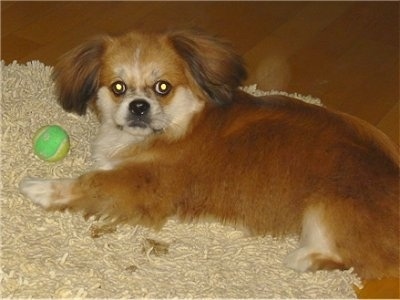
(144, 88)
(147, 84)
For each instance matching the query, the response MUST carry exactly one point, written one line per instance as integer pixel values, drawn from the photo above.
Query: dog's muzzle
(139, 110)
(139, 107)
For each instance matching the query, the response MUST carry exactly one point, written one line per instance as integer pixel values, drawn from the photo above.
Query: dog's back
(299, 167)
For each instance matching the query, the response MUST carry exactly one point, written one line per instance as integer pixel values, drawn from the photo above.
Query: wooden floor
(345, 53)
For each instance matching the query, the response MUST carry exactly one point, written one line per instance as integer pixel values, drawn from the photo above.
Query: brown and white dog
(179, 138)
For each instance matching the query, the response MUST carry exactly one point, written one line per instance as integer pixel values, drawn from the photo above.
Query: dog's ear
(77, 75)
(217, 69)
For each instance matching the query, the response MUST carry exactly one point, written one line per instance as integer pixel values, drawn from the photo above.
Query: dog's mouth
(142, 118)
(139, 127)
(137, 123)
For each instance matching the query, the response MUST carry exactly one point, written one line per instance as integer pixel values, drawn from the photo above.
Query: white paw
(299, 260)
(47, 193)
(38, 190)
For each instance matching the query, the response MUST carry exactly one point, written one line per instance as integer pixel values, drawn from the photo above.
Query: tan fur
(260, 163)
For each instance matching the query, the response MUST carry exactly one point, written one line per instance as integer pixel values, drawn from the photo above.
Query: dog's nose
(139, 107)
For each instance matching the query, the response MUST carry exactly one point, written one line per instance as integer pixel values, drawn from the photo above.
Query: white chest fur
(109, 142)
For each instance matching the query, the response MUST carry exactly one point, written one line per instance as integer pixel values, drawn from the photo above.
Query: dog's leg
(115, 194)
(316, 249)
(49, 194)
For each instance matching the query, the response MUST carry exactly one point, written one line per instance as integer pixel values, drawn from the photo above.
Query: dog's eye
(162, 87)
(118, 88)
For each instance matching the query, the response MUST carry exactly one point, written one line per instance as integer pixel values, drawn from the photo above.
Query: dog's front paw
(46, 193)
(38, 190)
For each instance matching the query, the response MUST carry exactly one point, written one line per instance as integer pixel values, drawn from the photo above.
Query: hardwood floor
(345, 53)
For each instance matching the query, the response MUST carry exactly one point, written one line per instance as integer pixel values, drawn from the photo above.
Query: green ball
(51, 143)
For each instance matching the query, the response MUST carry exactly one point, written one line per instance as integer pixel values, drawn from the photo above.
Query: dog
(179, 138)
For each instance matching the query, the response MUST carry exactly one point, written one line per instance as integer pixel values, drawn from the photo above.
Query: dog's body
(178, 137)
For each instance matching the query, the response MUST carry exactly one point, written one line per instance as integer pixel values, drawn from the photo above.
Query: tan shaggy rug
(47, 255)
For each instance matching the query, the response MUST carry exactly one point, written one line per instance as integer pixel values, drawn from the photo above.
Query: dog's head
(149, 83)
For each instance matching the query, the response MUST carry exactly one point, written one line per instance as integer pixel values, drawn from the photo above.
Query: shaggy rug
(60, 255)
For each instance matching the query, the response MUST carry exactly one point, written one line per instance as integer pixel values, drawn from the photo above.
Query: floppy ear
(77, 75)
(217, 69)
